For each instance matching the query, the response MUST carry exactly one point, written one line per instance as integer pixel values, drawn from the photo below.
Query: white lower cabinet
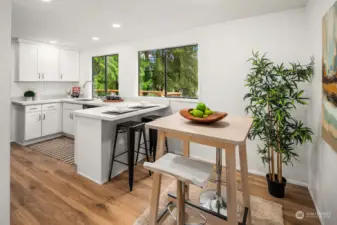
(68, 121)
(51, 123)
(33, 127)
(38, 121)
(68, 117)
(44, 120)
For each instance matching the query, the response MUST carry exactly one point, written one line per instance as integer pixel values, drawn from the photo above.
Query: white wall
(223, 51)
(322, 158)
(5, 42)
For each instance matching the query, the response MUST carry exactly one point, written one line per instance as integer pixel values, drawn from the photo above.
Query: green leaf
(273, 92)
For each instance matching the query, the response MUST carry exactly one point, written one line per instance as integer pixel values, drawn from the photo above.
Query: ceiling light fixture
(52, 42)
(46, 0)
(116, 25)
(95, 38)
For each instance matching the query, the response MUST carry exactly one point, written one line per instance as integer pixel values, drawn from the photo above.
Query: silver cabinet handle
(44, 116)
(61, 76)
(39, 75)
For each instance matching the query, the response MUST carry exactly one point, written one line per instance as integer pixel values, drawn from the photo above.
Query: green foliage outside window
(105, 75)
(178, 65)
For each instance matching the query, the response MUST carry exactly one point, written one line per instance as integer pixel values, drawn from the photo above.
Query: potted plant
(29, 95)
(273, 94)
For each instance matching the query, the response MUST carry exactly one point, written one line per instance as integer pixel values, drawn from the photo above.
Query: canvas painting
(329, 77)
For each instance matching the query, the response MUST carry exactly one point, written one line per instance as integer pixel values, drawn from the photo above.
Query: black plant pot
(275, 188)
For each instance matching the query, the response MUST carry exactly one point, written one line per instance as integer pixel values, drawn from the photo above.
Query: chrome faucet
(85, 84)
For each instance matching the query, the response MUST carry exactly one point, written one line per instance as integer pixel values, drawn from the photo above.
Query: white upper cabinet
(49, 63)
(27, 62)
(69, 65)
(41, 62)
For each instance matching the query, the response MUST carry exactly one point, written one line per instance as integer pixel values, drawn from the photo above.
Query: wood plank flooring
(47, 192)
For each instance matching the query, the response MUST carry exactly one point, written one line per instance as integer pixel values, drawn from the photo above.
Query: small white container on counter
(29, 99)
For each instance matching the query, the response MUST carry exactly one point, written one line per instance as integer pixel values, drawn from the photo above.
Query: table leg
(212, 199)
(218, 171)
(231, 185)
(180, 203)
(244, 181)
(186, 154)
(156, 181)
(131, 154)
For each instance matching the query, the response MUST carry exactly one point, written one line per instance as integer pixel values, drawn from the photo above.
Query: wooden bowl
(216, 116)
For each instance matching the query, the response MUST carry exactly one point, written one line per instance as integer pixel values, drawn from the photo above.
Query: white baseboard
(90, 178)
(316, 207)
(37, 140)
(299, 183)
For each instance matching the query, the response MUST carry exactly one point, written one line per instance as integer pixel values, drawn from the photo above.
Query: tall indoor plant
(273, 95)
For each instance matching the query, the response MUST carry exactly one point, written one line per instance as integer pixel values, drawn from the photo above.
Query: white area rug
(264, 212)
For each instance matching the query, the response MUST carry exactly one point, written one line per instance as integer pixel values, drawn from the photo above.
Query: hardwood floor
(47, 192)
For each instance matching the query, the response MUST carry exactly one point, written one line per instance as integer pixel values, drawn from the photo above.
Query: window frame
(105, 72)
(165, 66)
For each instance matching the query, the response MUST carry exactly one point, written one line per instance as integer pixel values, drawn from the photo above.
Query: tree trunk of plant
(279, 156)
(269, 166)
(271, 154)
(272, 165)
(279, 173)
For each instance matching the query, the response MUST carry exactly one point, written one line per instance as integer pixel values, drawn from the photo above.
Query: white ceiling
(75, 22)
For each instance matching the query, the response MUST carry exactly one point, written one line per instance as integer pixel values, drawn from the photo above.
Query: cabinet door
(51, 122)
(33, 125)
(28, 62)
(68, 122)
(48, 63)
(69, 65)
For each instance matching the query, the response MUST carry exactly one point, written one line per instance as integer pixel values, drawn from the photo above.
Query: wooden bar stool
(186, 171)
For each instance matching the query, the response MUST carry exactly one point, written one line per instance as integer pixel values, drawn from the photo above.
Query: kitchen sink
(84, 100)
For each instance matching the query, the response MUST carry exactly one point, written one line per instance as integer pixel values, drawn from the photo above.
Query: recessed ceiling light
(46, 0)
(116, 25)
(95, 38)
(52, 42)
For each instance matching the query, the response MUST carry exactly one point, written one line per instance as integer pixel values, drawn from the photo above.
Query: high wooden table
(225, 134)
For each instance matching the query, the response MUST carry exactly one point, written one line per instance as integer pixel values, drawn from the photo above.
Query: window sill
(190, 100)
(183, 100)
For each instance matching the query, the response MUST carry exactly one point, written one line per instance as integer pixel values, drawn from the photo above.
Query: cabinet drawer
(33, 108)
(72, 106)
(50, 106)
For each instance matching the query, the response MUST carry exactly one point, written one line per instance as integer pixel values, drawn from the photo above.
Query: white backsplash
(43, 89)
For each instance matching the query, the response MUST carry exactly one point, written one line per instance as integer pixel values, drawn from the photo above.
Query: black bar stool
(129, 127)
(153, 135)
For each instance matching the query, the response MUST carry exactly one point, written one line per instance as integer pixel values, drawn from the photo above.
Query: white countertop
(98, 113)
(60, 100)
(95, 113)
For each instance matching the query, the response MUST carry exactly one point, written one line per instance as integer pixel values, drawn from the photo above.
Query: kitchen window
(105, 75)
(170, 72)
